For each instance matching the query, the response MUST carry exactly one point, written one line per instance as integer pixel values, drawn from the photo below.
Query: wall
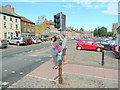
(10, 32)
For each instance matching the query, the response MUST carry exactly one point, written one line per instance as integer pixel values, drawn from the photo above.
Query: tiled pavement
(46, 71)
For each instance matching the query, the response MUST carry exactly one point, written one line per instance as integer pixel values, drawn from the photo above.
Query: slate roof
(26, 20)
(7, 11)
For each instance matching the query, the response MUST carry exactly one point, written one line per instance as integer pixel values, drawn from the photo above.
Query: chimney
(8, 6)
(13, 9)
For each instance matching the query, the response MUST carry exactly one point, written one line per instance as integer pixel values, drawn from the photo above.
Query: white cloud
(111, 5)
(112, 8)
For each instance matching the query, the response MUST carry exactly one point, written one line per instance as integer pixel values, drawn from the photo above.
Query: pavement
(47, 77)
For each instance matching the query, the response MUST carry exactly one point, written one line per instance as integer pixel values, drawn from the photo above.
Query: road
(17, 61)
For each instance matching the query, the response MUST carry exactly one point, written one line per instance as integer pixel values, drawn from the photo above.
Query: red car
(29, 40)
(89, 44)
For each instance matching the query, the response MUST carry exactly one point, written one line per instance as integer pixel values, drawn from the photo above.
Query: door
(90, 45)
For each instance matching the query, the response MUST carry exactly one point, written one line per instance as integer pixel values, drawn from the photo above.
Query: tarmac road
(17, 61)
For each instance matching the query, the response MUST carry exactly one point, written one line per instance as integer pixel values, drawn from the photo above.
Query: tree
(96, 32)
(81, 30)
(40, 20)
(39, 28)
(109, 34)
(100, 32)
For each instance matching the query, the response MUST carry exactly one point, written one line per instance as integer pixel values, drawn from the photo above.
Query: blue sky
(79, 15)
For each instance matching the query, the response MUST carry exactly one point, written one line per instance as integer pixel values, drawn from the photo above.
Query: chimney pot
(13, 9)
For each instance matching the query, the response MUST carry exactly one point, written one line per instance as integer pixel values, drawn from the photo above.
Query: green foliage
(100, 32)
(81, 30)
(40, 27)
(110, 34)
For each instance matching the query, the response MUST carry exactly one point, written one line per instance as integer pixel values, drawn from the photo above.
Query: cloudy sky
(88, 14)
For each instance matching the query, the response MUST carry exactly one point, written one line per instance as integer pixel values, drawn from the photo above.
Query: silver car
(3, 43)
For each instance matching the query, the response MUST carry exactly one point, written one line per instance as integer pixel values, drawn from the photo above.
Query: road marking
(21, 73)
(42, 61)
(33, 55)
(5, 70)
(0, 87)
(13, 71)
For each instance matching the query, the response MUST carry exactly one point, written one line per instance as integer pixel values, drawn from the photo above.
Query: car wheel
(79, 48)
(98, 49)
(18, 44)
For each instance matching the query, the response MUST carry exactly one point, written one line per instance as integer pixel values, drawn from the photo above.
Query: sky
(86, 14)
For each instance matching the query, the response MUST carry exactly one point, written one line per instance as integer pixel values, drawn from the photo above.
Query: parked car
(39, 40)
(29, 40)
(18, 41)
(3, 43)
(35, 40)
(106, 45)
(89, 44)
(116, 47)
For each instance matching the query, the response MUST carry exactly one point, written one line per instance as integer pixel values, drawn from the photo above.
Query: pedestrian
(64, 48)
(55, 50)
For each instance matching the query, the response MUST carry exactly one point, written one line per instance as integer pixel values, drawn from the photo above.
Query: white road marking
(42, 61)
(5, 83)
(21, 73)
(0, 87)
(33, 55)
(13, 71)
(5, 70)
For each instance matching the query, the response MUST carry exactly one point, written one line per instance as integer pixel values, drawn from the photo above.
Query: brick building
(27, 27)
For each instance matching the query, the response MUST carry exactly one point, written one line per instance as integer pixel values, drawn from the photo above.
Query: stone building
(10, 23)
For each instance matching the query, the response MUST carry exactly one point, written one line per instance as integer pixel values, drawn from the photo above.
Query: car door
(89, 45)
(12, 41)
(83, 44)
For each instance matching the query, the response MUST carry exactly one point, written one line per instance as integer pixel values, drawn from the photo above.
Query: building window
(5, 35)
(24, 23)
(11, 26)
(16, 27)
(10, 18)
(28, 24)
(4, 17)
(32, 25)
(16, 20)
(28, 29)
(24, 29)
(4, 24)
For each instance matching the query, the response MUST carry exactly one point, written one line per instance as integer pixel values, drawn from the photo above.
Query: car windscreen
(103, 42)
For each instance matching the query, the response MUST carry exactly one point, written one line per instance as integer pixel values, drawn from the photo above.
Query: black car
(106, 45)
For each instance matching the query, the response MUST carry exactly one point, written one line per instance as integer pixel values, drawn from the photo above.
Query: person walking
(64, 48)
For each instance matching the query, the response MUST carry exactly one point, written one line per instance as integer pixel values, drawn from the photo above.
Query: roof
(7, 11)
(26, 20)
